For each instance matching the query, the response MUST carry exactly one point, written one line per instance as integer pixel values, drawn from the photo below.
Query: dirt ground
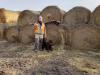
(19, 59)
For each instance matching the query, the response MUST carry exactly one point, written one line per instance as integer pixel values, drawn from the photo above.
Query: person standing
(40, 33)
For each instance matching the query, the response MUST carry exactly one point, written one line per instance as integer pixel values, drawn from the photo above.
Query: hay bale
(26, 34)
(2, 30)
(1, 33)
(8, 16)
(95, 17)
(11, 34)
(27, 17)
(2, 16)
(85, 37)
(55, 33)
(52, 13)
(67, 35)
(77, 15)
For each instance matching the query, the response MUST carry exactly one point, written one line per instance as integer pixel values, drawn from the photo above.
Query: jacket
(40, 29)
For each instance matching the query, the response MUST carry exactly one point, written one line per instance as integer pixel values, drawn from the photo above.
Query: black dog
(47, 45)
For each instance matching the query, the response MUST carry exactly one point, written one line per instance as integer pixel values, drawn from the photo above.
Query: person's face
(40, 18)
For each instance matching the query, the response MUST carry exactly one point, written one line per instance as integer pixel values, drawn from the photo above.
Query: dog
(47, 45)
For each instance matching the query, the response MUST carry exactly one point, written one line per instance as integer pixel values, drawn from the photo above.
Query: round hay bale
(67, 35)
(26, 34)
(85, 37)
(8, 16)
(12, 33)
(27, 17)
(95, 17)
(1, 32)
(55, 33)
(77, 15)
(2, 16)
(3, 27)
(52, 13)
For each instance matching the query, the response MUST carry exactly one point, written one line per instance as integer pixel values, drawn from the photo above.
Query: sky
(38, 5)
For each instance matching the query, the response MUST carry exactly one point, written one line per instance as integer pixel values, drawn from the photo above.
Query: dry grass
(18, 59)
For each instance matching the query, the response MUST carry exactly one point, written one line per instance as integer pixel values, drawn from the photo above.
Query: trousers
(38, 41)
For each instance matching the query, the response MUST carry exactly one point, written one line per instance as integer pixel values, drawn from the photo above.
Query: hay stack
(8, 16)
(26, 34)
(55, 33)
(2, 30)
(27, 17)
(85, 37)
(11, 34)
(2, 16)
(1, 33)
(52, 13)
(95, 17)
(77, 15)
(53, 30)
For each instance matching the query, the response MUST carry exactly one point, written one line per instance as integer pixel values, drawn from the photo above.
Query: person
(40, 33)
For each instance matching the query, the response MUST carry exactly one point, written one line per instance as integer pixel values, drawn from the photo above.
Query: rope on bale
(77, 15)
(52, 13)
(27, 17)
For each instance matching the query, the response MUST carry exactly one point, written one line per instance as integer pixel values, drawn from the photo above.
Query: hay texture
(8, 16)
(52, 13)
(2, 16)
(55, 33)
(85, 37)
(26, 35)
(77, 15)
(27, 17)
(2, 31)
(11, 34)
(95, 17)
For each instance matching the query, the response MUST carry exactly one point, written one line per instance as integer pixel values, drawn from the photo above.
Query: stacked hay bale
(2, 16)
(85, 37)
(74, 18)
(11, 34)
(25, 23)
(77, 15)
(26, 35)
(3, 27)
(67, 35)
(27, 17)
(55, 33)
(95, 17)
(9, 17)
(52, 13)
